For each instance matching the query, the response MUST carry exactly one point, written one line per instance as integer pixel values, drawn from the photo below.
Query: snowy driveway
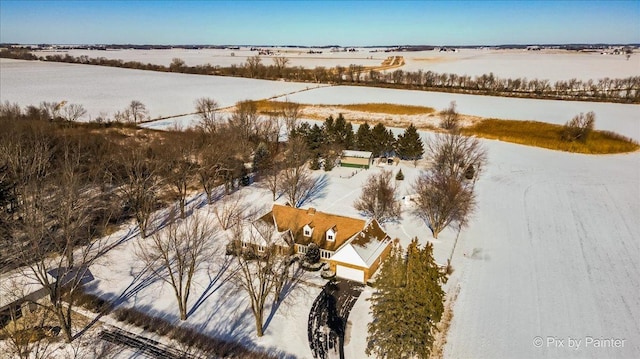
(328, 318)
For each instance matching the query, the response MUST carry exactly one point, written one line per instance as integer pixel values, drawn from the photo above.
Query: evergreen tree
(364, 141)
(400, 176)
(315, 139)
(382, 140)
(261, 158)
(386, 331)
(407, 304)
(349, 141)
(409, 145)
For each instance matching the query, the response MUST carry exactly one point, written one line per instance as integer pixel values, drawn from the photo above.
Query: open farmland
(219, 57)
(620, 118)
(552, 65)
(104, 90)
(558, 258)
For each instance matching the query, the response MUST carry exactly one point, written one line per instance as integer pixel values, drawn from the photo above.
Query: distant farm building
(357, 159)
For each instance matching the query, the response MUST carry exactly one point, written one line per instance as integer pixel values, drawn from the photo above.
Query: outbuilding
(357, 159)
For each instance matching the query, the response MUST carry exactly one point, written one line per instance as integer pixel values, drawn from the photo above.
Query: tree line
(619, 90)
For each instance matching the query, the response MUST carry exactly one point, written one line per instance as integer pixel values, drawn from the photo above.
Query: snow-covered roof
(364, 248)
(357, 154)
(17, 285)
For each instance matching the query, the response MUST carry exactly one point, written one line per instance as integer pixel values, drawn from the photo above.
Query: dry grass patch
(386, 108)
(546, 135)
(266, 107)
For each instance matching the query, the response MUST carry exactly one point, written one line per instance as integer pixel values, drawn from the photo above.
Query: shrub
(313, 254)
(579, 128)
(450, 119)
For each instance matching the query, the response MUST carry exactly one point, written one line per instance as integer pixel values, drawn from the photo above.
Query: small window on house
(330, 237)
(260, 248)
(244, 244)
(307, 233)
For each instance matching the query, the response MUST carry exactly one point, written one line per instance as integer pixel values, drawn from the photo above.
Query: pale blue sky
(346, 23)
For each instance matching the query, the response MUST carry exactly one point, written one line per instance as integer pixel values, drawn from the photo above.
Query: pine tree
(349, 141)
(382, 140)
(363, 138)
(407, 304)
(261, 158)
(409, 145)
(386, 331)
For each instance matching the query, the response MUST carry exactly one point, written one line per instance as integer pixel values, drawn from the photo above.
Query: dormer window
(307, 230)
(331, 235)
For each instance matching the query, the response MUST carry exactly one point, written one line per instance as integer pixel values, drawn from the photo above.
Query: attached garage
(350, 273)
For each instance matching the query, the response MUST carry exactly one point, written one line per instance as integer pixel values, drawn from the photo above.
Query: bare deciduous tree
(207, 108)
(177, 252)
(442, 200)
(290, 112)
(180, 168)
(136, 111)
(229, 211)
(272, 177)
(449, 118)
(259, 278)
(579, 128)
(296, 181)
(140, 182)
(456, 155)
(244, 121)
(378, 198)
(51, 110)
(280, 62)
(73, 112)
(253, 65)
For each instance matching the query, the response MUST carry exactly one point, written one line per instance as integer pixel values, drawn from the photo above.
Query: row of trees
(334, 135)
(625, 90)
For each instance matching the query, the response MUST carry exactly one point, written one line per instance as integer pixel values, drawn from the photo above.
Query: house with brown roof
(354, 248)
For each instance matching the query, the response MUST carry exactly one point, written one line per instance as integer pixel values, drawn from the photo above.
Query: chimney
(311, 211)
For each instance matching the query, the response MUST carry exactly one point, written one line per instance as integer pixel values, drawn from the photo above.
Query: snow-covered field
(220, 57)
(620, 118)
(554, 250)
(552, 65)
(104, 90)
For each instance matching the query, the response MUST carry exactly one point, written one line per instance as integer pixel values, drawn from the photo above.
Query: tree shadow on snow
(318, 190)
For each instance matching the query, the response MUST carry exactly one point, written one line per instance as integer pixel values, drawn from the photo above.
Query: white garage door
(350, 273)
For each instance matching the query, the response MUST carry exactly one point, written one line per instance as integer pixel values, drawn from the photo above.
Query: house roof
(365, 248)
(17, 285)
(357, 154)
(294, 219)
